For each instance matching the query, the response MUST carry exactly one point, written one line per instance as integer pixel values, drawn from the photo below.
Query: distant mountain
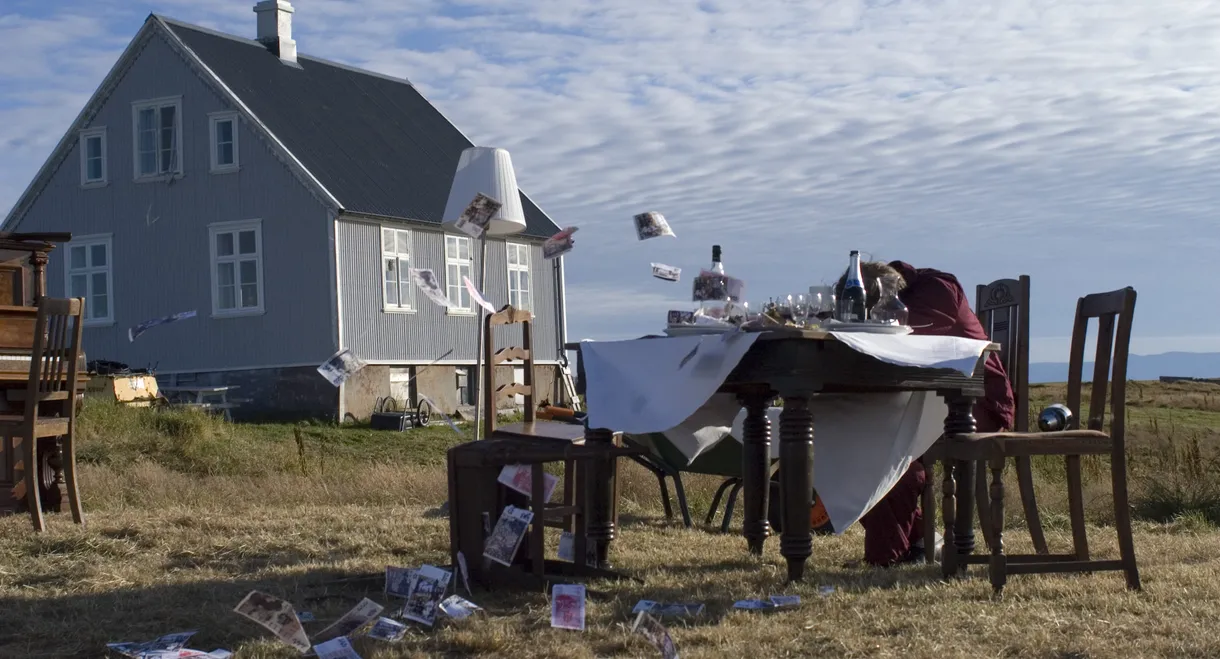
(1140, 367)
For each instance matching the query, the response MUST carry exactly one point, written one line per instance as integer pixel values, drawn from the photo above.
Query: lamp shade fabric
(487, 170)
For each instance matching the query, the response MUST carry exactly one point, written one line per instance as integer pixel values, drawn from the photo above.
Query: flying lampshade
(490, 171)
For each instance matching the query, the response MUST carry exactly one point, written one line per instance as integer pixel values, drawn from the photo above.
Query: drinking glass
(800, 310)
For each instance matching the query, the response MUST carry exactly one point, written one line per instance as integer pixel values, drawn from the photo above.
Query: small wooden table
(203, 393)
(796, 364)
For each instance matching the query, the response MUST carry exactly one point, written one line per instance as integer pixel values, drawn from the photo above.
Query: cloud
(1074, 140)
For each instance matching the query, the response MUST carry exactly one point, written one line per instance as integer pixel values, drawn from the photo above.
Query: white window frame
(457, 309)
(409, 305)
(87, 242)
(157, 103)
(235, 227)
(214, 147)
(522, 248)
(86, 135)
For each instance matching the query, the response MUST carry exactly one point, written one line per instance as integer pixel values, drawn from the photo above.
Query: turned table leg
(960, 422)
(796, 488)
(600, 498)
(997, 567)
(755, 467)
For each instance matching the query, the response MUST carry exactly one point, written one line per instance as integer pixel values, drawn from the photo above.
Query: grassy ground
(187, 514)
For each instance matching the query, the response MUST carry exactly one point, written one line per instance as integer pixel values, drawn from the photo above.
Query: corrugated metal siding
(164, 267)
(429, 332)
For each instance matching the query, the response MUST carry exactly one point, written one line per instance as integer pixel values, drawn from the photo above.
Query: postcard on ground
(568, 607)
(502, 544)
(427, 590)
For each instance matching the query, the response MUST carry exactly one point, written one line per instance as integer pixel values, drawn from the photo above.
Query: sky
(1076, 141)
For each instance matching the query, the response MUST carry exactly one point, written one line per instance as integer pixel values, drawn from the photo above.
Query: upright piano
(23, 261)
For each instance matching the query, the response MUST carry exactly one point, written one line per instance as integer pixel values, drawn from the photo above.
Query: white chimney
(275, 28)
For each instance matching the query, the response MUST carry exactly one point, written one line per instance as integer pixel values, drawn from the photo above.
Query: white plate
(695, 330)
(868, 328)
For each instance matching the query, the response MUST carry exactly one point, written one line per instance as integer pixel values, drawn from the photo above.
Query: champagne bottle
(852, 304)
(717, 266)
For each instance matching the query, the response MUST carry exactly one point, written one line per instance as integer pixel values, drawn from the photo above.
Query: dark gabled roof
(372, 141)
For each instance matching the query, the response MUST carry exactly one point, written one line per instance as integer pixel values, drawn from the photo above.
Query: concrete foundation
(269, 393)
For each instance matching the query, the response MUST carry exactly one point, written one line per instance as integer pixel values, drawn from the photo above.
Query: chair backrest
(493, 393)
(1003, 309)
(56, 353)
(1114, 312)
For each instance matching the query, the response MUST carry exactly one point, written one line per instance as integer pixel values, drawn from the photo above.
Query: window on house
(396, 269)
(237, 267)
(158, 137)
(457, 265)
(93, 157)
(88, 275)
(519, 291)
(223, 135)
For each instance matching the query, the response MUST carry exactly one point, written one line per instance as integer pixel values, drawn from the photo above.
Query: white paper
(464, 572)
(656, 633)
(640, 386)
(341, 366)
(358, 617)
(568, 607)
(567, 547)
(428, 283)
(428, 588)
(521, 479)
(927, 351)
(666, 272)
(475, 217)
(651, 225)
(559, 244)
(476, 296)
(337, 648)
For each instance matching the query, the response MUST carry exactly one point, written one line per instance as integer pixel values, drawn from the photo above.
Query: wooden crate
(136, 390)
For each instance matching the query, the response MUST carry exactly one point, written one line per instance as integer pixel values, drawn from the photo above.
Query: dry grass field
(187, 514)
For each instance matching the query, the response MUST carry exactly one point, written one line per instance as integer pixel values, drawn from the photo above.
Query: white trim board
(449, 362)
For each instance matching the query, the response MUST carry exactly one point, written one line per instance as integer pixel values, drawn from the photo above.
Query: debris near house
(118, 382)
(388, 415)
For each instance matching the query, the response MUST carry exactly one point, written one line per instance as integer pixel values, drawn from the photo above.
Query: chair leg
(948, 556)
(998, 566)
(1025, 481)
(711, 512)
(1075, 487)
(68, 451)
(33, 490)
(669, 511)
(981, 501)
(928, 503)
(728, 507)
(682, 506)
(1122, 521)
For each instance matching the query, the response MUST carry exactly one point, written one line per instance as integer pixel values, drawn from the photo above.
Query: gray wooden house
(283, 197)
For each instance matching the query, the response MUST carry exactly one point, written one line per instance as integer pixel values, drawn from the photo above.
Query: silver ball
(1056, 417)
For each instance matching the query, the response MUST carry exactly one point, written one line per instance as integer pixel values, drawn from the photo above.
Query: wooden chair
(1002, 308)
(1113, 310)
(494, 393)
(53, 381)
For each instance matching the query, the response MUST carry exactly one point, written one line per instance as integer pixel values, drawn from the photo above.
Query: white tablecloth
(863, 442)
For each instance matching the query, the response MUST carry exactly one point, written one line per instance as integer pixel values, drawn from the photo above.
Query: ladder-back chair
(1114, 312)
(53, 384)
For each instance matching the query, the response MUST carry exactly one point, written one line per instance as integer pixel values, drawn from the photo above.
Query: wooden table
(796, 365)
(203, 393)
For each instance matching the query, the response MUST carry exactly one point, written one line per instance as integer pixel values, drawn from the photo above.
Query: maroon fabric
(896, 522)
(938, 305)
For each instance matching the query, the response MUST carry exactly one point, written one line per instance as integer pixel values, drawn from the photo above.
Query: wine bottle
(717, 266)
(852, 304)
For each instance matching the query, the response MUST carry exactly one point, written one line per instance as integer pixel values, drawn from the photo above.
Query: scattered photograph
(340, 366)
(277, 616)
(786, 600)
(428, 283)
(656, 633)
(521, 479)
(143, 327)
(681, 317)
(387, 629)
(457, 607)
(428, 588)
(358, 617)
(666, 272)
(651, 225)
(474, 219)
(336, 648)
(398, 580)
(567, 547)
(568, 607)
(505, 538)
(559, 244)
(167, 643)
(669, 610)
(708, 287)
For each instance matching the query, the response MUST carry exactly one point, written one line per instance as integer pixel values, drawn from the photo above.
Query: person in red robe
(893, 529)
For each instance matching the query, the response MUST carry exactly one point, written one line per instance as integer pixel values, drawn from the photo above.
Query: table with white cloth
(879, 400)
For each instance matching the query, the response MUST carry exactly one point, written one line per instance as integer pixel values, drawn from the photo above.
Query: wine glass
(800, 310)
